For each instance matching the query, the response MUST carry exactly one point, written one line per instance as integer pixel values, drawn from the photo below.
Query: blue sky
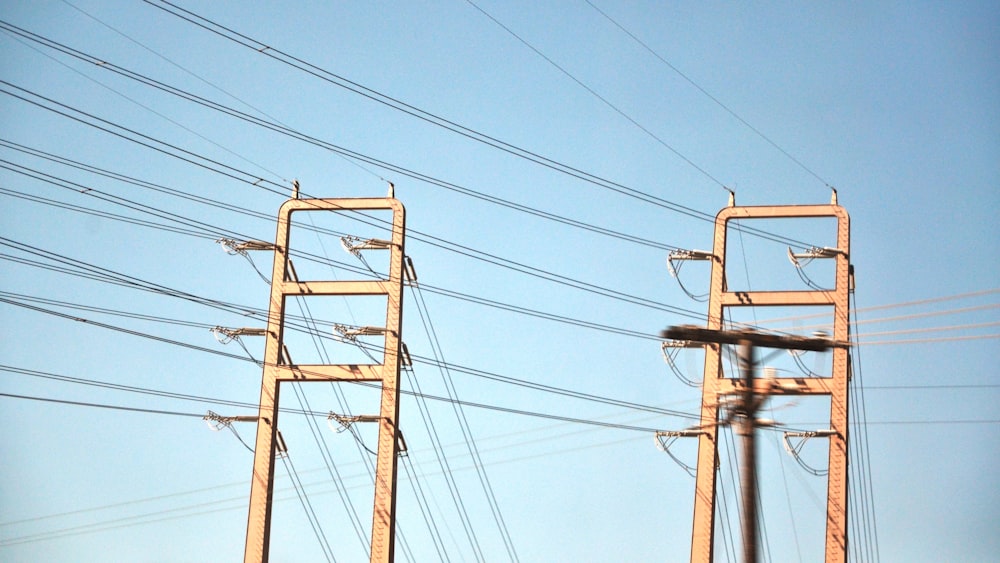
(897, 105)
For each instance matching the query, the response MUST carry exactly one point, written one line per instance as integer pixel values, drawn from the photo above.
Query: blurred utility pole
(751, 390)
(749, 403)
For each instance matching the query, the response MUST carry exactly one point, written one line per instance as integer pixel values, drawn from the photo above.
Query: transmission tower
(716, 387)
(279, 368)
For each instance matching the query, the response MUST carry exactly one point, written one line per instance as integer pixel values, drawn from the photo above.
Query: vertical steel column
(836, 386)
(703, 530)
(276, 370)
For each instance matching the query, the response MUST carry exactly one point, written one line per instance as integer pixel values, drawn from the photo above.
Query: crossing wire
(862, 447)
(446, 472)
(339, 81)
(414, 234)
(334, 471)
(452, 367)
(214, 232)
(714, 99)
(300, 491)
(464, 423)
(343, 152)
(432, 528)
(603, 99)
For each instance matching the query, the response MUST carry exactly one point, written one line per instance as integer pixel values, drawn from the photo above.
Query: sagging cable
(670, 349)
(802, 259)
(355, 245)
(217, 422)
(350, 334)
(345, 422)
(680, 256)
(226, 335)
(665, 438)
(796, 448)
(243, 248)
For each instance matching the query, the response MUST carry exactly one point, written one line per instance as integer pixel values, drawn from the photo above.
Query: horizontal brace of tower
(326, 372)
(783, 298)
(334, 287)
(779, 386)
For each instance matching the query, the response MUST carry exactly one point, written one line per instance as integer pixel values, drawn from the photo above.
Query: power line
(604, 100)
(332, 78)
(101, 405)
(339, 150)
(464, 424)
(708, 94)
(144, 140)
(539, 272)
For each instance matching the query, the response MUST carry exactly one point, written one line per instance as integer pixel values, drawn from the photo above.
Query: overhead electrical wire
(469, 252)
(152, 143)
(344, 152)
(856, 385)
(334, 472)
(419, 359)
(464, 423)
(707, 94)
(254, 406)
(603, 99)
(213, 231)
(104, 214)
(130, 281)
(101, 405)
(300, 492)
(332, 78)
(518, 267)
(446, 471)
(513, 308)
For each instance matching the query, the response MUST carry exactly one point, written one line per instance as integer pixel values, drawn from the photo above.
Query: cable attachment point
(234, 247)
(350, 334)
(355, 245)
(796, 449)
(347, 332)
(812, 253)
(670, 349)
(802, 259)
(226, 335)
(345, 421)
(218, 422)
(680, 255)
(665, 438)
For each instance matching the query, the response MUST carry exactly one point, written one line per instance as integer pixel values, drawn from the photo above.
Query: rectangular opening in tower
(790, 254)
(340, 245)
(335, 329)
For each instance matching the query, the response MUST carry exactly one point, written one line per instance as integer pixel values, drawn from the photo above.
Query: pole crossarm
(278, 368)
(759, 339)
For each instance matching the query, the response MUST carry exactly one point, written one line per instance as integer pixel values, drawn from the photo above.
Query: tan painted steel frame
(715, 386)
(277, 370)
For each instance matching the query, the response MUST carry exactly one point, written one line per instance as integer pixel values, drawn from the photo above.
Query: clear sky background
(897, 105)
